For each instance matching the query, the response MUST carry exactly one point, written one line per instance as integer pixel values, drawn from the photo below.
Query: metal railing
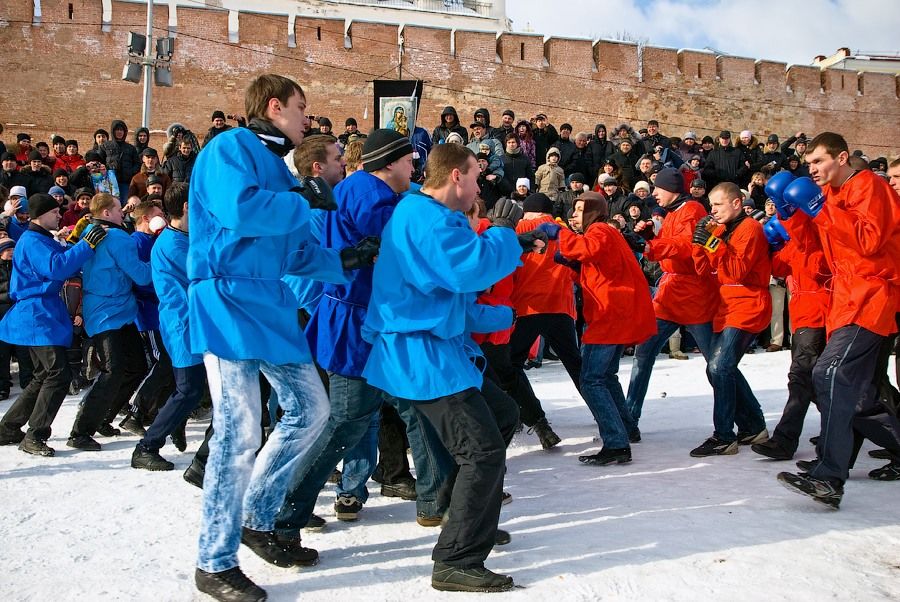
(460, 7)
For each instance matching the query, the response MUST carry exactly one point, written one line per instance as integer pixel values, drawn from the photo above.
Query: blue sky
(791, 31)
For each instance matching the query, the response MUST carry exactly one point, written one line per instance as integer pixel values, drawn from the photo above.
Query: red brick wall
(65, 77)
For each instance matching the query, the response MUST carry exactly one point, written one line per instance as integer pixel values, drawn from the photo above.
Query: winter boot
(315, 523)
(403, 490)
(824, 491)
(475, 579)
(10, 436)
(179, 438)
(133, 425)
(545, 434)
(108, 430)
(773, 449)
(149, 460)
(265, 545)
(194, 474)
(300, 555)
(229, 586)
(36, 447)
(83, 442)
(607, 456)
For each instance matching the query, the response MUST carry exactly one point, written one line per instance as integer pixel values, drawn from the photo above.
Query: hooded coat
(137, 144)
(120, 155)
(440, 133)
(601, 148)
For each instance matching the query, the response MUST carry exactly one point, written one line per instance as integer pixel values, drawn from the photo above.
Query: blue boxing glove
(775, 191)
(775, 233)
(551, 229)
(805, 195)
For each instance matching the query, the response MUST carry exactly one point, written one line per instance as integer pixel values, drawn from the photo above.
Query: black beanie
(92, 155)
(35, 156)
(217, 115)
(39, 204)
(383, 147)
(669, 179)
(576, 177)
(537, 203)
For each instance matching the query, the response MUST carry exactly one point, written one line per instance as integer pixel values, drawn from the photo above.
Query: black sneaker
(476, 579)
(301, 556)
(634, 436)
(4, 394)
(889, 472)
(347, 507)
(807, 465)
(265, 545)
(880, 454)
(404, 490)
(748, 438)
(83, 442)
(606, 456)
(823, 491)
(179, 439)
(715, 447)
(108, 430)
(502, 537)
(194, 474)
(315, 523)
(10, 436)
(149, 460)
(229, 586)
(772, 449)
(133, 425)
(505, 498)
(36, 447)
(545, 434)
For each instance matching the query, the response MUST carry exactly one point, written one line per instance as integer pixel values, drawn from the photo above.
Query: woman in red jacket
(618, 312)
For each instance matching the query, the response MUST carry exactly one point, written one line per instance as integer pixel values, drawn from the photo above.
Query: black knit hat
(217, 115)
(58, 140)
(670, 179)
(39, 204)
(537, 203)
(92, 155)
(383, 147)
(350, 121)
(576, 177)
(35, 156)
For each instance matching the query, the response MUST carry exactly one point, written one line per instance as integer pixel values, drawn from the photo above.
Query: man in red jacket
(856, 214)
(683, 296)
(618, 312)
(802, 263)
(732, 246)
(543, 295)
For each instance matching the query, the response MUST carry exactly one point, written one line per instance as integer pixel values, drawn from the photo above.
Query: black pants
(26, 366)
(39, 403)
(475, 429)
(559, 332)
(513, 381)
(844, 379)
(122, 367)
(393, 463)
(159, 383)
(807, 346)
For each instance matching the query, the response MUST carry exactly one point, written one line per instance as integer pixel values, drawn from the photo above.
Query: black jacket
(5, 275)
(36, 181)
(179, 167)
(8, 179)
(120, 156)
(625, 163)
(724, 164)
(214, 131)
(515, 167)
(580, 161)
(543, 140)
(440, 133)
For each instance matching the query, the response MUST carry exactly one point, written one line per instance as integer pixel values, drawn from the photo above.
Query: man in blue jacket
(110, 310)
(40, 322)
(430, 268)
(249, 222)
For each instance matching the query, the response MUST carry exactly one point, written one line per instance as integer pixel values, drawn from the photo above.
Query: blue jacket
(168, 261)
(307, 290)
(365, 204)
(429, 269)
(147, 302)
(109, 276)
(40, 266)
(248, 230)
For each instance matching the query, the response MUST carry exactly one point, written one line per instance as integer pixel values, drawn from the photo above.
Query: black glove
(701, 235)
(506, 213)
(635, 241)
(362, 255)
(94, 236)
(572, 264)
(317, 193)
(527, 240)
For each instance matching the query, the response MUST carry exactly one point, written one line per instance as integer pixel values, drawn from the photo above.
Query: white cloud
(790, 31)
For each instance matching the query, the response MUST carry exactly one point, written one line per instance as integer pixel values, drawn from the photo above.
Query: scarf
(273, 138)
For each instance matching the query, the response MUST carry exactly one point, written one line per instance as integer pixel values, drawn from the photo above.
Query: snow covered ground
(85, 526)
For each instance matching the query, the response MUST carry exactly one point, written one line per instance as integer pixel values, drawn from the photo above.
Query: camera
(232, 117)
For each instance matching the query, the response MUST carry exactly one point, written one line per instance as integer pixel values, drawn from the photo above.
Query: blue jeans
(734, 401)
(238, 481)
(645, 357)
(603, 394)
(188, 391)
(359, 463)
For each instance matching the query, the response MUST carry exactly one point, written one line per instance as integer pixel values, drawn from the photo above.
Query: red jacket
(542, 286)
(858, 227)
(499, 294)
(617, 306)
(683, 296)
(70, 162)
(802, 263)
(742, 267)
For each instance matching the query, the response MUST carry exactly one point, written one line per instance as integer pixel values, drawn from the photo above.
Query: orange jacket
(741, 265)
(499, 294)
(542, 286)
(684, 296)
(802, 263)
(617, 306)
(858, 227)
